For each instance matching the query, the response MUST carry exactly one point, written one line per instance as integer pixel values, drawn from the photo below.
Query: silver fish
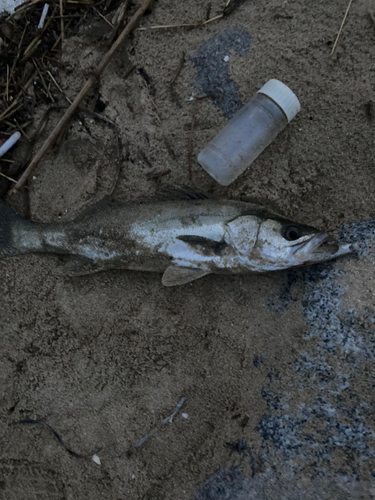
(185, 239)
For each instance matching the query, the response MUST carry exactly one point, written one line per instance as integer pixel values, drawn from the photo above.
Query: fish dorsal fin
(177, 275)
(172, 192)
(242, 233)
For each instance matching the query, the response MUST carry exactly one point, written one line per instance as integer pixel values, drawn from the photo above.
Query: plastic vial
(249, 132)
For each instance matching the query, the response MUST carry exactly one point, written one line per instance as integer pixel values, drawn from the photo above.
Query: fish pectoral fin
(177, 275)
(79, 266)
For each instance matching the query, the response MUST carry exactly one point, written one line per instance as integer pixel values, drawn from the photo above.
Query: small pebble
(133, 476)
(184, 415)
(96, 459)
(191, 98)
(226, 58)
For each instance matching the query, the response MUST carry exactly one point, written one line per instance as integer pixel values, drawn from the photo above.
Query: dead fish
(185, 239)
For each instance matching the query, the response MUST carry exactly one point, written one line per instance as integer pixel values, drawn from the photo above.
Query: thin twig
(9, 178)
(37, 40)
(179, 68)
(169, 26)
(98, 116)
(21, 8)
(133, 23)
(43, 81)
(101, 15)
(372, 17)
(231, 6)
(7, 87)
(342, 25)
(192, 25)
(55, 44)
(62, 22)
(83, 2)
(7, 112)
(119, 20)
(58, 86)
(26, 202)
(59, 38)
(214, 19)
(21, 130)
(165, 421)
(208, 11)
(40, 422)
(19, 48)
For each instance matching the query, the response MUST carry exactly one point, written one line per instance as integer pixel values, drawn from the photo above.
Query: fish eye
(292, 233)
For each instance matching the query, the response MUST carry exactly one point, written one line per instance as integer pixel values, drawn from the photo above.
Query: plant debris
(31, 60)
(95, 457)
(57, 436)
(165, 421)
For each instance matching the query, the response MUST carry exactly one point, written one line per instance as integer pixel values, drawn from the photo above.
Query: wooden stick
(342, 25)
(77, 101)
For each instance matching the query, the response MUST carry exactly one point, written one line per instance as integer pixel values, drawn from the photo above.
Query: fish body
(184, 239)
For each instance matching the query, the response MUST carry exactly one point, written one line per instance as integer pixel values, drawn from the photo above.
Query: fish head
(282, 244)
(270, 242)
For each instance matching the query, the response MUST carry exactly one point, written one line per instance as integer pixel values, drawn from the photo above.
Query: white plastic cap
(283, 96)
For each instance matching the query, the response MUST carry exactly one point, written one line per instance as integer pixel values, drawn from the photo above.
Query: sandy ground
(276, 370)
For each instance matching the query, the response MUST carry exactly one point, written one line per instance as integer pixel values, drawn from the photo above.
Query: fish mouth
(318, 245)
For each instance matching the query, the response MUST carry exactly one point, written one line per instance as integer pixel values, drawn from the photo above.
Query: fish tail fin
(10, 223)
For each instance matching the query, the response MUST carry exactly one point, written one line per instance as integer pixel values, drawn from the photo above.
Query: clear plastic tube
(249, 132)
